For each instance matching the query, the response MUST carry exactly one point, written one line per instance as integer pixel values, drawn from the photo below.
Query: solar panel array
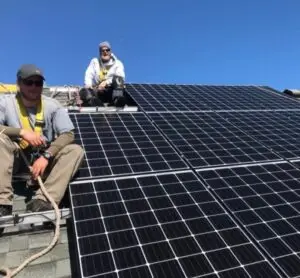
(279, 131)
(117, 144)
(153, 97)
(203, 182)
(160, 226)
(207, 139)
(266, 201)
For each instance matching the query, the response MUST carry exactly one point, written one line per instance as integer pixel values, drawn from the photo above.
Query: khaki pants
(61, 170)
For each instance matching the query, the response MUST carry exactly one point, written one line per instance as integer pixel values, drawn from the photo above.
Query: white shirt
(114, 68)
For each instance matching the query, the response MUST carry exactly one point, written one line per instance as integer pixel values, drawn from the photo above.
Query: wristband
(47, 155)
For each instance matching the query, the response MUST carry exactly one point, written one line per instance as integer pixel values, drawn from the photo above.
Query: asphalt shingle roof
(17, 244)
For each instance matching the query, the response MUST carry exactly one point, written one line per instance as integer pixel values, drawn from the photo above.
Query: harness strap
(25, 122)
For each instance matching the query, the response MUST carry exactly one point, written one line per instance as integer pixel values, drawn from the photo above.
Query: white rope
(11, 273)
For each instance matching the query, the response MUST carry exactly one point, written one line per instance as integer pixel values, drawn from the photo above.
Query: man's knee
(6, 143)
(4, 138)
(118, 82)
(76, 150)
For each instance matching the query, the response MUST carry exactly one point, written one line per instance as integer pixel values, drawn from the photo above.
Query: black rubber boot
(5, 210)
(119, 101)
(118, 98)
(89, 97)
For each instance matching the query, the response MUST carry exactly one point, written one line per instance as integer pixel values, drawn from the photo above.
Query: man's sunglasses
(105, 50)
(37, 83)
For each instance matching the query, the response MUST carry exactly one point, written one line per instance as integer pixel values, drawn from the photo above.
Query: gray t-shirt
(56, 118)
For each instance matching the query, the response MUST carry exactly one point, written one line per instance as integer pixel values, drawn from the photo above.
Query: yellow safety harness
(25, 122)
(103, 71)
(102, 74)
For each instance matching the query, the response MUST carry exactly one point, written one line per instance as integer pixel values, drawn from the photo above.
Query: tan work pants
(61, 170)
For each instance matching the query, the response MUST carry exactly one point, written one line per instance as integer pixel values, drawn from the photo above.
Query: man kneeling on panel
(104, 80)
(41, 128)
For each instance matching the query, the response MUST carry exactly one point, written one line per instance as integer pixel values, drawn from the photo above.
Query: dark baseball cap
(29, 70)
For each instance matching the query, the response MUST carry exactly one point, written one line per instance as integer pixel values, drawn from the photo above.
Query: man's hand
(39, 166)
(102, 86)
(33, 138)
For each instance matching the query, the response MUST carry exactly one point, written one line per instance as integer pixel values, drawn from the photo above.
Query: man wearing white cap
(104, 79)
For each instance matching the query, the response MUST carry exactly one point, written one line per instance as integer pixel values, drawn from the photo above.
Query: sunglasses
(37, 83)
(105, 50)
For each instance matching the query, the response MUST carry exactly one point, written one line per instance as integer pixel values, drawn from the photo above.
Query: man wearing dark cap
(104, 79)
(43, 130)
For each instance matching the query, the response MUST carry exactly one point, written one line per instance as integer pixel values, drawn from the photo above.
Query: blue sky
(167, 41)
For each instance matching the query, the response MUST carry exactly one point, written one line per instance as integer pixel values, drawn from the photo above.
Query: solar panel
(207, 139)
(160, 225)
(121, 144)
(279, 131)
(164, 98)
(266, 201)
(203, 98)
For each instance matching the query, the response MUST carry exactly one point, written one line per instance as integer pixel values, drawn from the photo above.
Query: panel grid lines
(120, 147)
(138, 124)
(152, 210)
(138, 241)
(207, 139)
(161, 97)
(180, 232)
(279, 131)
(122, 144)
(154, 225)
(106, 235)
(183, 220)
(266, 201)
(85, 155)
(97, 135)
(198, 184)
